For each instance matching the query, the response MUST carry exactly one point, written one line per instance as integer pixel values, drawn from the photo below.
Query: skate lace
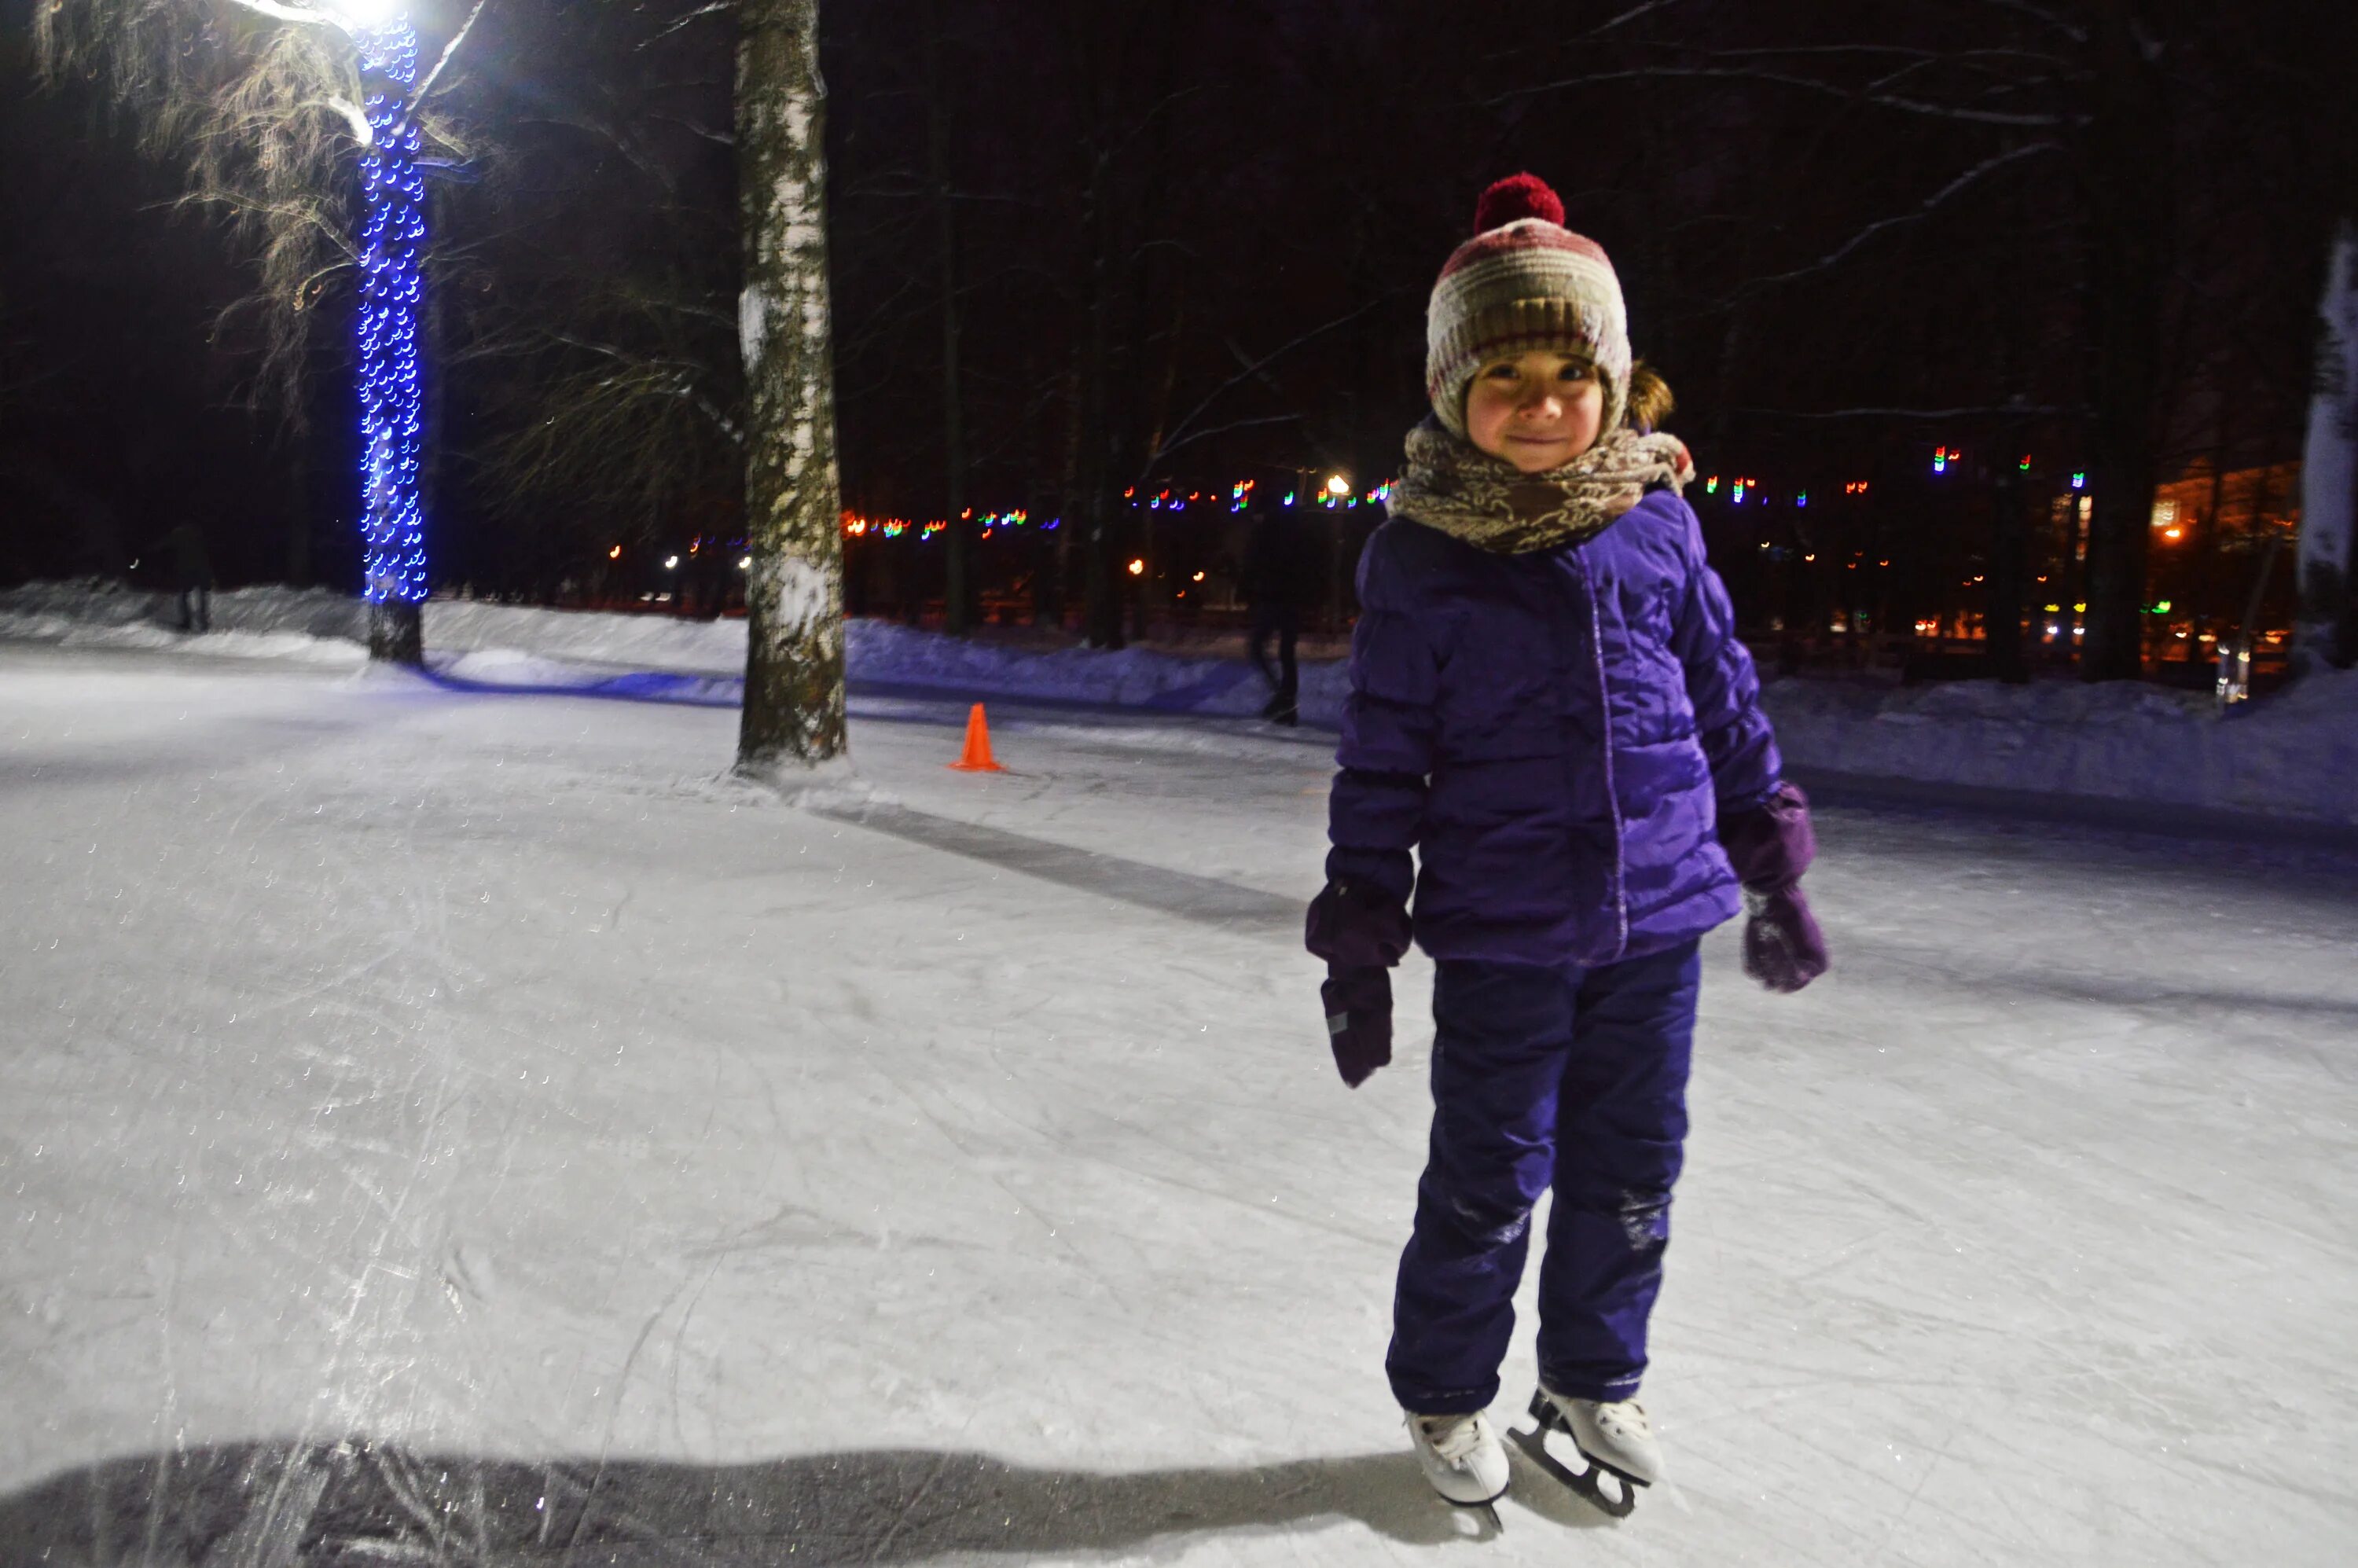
(1627, 1415)
(1452, 1437)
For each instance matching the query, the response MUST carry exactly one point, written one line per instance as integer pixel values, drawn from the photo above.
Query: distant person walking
(192, 576)
(1277, 585)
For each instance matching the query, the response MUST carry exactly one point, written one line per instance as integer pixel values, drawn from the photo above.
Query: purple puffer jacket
(1555, 734)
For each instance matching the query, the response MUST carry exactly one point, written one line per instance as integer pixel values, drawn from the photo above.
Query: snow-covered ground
(2291, 758)
(430, 1115)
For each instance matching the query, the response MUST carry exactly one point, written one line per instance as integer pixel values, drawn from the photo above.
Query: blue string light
(393, 250)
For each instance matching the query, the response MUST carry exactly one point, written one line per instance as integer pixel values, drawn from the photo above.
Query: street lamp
(1337, 485)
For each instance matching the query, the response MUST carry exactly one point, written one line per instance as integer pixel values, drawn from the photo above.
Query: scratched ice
(447, 1126)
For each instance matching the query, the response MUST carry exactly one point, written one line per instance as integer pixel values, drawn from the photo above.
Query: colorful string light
(392, 253)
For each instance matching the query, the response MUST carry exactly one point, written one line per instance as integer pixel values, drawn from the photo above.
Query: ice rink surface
(445, 1127)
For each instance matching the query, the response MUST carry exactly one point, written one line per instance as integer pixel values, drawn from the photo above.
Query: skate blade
(1487, 1512)
(1485, 1508)
(1615, 1497)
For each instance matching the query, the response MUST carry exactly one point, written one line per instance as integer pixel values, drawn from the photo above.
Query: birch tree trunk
(2325, 629)
(793, 588)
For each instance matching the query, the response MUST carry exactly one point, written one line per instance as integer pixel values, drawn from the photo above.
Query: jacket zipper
(1612, 795)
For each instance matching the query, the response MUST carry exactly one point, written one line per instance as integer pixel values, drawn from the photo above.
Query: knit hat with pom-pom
(1523, 282)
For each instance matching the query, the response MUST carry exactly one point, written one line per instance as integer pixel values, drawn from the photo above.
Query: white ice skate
(1612, 1436)
(1462, 1458)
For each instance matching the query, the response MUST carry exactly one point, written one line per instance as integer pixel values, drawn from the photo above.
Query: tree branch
(1923, 209)
(1168, 447)
(1246, 374)
(709, 8)
(419, 93)
(1807, 84)
(2074, 410)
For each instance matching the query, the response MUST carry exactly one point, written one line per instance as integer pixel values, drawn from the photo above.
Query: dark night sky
(1251, 171)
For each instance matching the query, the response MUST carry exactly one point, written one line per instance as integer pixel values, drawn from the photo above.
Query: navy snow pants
(1570, 1077)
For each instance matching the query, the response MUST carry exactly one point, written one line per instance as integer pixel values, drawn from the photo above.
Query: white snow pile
(2293, 755)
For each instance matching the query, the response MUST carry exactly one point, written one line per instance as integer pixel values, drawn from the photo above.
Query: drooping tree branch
(1923, 209)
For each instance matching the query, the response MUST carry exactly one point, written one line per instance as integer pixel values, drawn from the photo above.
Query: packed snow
(456, 1125)
(2290, 759)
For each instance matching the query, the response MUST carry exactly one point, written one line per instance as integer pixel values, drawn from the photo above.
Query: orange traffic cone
(977, 758)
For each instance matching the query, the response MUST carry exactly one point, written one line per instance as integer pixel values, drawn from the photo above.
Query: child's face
(1538, 410)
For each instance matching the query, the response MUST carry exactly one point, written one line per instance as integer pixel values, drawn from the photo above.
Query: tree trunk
(961, 597)
(2002, 607)
(1055, 554)
(2205, 540)
(1102, 614)
(298, 516)
(2325, 628)
(2126, 182)
(794, 590)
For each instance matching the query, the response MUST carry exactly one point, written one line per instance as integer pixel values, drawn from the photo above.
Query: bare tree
(2083, 83)
(794, 592)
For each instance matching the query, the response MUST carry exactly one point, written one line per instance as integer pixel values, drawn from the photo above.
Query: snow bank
(2293, 755)
(316, 624)
(894, 654)
(641, 642)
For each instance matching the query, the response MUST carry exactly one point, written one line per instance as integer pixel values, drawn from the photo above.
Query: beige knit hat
(1523, 282)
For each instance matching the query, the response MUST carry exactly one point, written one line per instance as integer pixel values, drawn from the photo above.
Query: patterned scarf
(1456, 487)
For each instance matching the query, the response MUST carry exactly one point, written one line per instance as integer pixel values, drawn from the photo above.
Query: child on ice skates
(1548, 704)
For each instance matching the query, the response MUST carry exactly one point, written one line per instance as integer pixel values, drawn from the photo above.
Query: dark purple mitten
(1354, 925)
(1358, 1021)
(1362, 931)
(1783, 948)
(1770, 846)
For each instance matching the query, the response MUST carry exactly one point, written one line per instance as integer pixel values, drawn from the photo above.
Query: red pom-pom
(1517, 196)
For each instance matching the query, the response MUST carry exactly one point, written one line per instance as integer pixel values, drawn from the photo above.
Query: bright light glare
(362, 13)
(744, 563)
(670, 562)
(1138, 568)
(1337, 485)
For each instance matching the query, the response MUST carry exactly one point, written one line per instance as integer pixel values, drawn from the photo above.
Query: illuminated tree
(269, 104)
